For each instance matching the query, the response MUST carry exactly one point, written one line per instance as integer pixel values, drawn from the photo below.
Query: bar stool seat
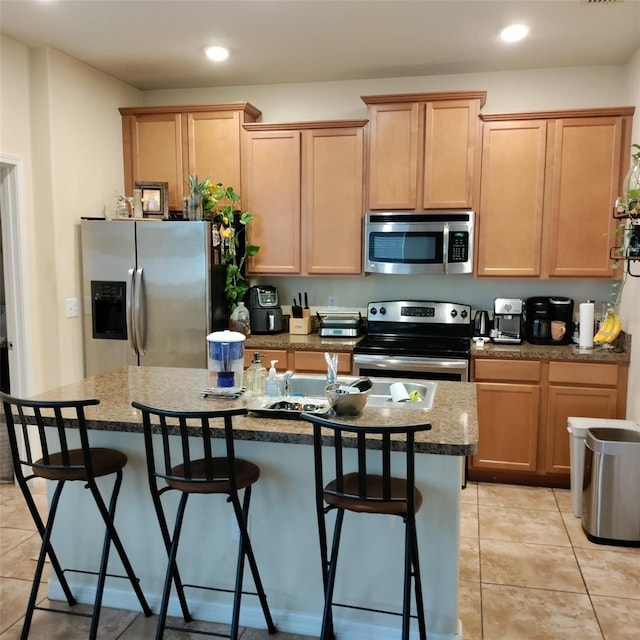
(104, 462)
(374, 502)
(175, 468)
(368, 491)
(43, 429)
(246, 474)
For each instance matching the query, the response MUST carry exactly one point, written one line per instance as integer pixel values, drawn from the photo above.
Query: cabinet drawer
(313, 361)
(507, 370)
(595, 374)
(267, 355)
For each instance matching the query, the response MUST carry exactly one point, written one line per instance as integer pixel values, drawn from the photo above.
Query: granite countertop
(309, 342)
(523, 351)
(569, 352)
(453, 416)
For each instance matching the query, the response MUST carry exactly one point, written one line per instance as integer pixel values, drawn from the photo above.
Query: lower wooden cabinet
(509, 410)
(298, 361)
(523, 407)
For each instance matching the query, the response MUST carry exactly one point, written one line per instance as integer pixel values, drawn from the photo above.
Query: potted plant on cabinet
(231, 249)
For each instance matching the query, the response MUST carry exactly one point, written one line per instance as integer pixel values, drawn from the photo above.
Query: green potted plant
(220, 206)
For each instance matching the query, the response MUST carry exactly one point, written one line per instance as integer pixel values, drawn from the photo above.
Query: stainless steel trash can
(610, 497)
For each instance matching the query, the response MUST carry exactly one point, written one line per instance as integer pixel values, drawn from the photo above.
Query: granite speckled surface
(453, 416)
(310, 342)
(568, 353)
(523, 351)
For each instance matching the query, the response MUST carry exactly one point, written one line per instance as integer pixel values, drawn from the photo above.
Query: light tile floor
(527, 573)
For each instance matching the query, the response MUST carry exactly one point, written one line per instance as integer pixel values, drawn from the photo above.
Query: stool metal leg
(164, 529)
(46, 545)
(417, 578)
(327, 632)
(108, 516)
(172, 569)
(246, 550)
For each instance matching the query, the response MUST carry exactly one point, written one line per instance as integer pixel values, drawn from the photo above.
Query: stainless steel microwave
(434, 242)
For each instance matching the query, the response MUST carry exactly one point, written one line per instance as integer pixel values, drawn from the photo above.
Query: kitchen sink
(310, 385)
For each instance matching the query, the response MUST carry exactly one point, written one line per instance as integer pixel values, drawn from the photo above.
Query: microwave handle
(445, 248)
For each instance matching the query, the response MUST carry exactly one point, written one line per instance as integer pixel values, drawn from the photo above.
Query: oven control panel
(419, 311)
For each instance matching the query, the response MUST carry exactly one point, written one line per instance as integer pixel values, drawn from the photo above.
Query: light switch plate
(73, 307)
(332, 303)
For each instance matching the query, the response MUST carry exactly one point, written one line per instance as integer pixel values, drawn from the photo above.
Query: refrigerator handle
(137, 312)
(130, 327)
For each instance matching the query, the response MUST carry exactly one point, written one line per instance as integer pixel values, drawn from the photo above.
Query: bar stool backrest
(374, 445)
(44, 432)
(191, 428)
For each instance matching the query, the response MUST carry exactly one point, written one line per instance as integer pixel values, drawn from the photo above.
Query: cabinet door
(508, 426)
(393, 155)
(332, 186)
(155, 153)
(271, 183)
(565, 401)
(314, 362)
(585, 182)
(451, 154)
(214, 146)
(511, 198)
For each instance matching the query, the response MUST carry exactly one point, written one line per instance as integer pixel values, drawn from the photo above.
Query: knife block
(300, 326)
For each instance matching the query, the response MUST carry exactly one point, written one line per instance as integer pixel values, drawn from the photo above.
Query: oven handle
(411, 364)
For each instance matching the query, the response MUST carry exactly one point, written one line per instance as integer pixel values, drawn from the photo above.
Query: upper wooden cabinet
(167, 144)
(424, 150)
(303, 183)
(549, 183)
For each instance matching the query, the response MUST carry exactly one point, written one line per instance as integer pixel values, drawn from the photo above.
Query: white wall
(510, 91)
(62, 117)
(630, 305)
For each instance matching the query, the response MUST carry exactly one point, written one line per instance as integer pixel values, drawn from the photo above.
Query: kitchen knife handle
(129, 311)
(306, 301)
(137, 311)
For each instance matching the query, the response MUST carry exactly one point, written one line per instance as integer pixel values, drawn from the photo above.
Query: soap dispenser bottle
(272, 388)
(256, 377)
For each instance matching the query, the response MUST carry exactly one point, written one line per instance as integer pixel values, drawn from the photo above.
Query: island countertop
(453, 416)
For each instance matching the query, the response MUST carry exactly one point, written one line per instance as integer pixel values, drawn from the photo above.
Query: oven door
(418, 368)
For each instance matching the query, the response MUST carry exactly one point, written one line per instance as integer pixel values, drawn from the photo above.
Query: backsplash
(353, 293)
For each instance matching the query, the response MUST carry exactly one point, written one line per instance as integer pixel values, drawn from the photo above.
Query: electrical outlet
(73, 307)
(332, 303)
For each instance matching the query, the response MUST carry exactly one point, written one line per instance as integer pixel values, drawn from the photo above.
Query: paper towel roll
(586, 325)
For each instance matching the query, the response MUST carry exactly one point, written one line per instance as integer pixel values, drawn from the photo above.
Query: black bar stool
(44, 433)
(225, 474)
(363, 491)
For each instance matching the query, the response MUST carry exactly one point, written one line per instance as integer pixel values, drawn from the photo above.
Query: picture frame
(155, 199)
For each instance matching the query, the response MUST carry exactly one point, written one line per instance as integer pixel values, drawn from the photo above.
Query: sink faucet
(286, 376)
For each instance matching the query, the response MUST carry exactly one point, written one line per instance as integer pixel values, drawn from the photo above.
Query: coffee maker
(507, 320)
(541, 311)
(264, 309)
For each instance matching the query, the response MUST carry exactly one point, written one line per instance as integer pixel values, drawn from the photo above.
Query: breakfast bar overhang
(282, 523)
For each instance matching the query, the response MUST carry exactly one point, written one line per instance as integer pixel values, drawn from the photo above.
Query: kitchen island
(282, 520)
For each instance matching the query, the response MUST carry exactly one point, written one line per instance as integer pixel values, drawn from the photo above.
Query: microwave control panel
(459, 246)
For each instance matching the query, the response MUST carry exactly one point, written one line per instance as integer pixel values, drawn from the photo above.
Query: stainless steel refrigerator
(147, 291)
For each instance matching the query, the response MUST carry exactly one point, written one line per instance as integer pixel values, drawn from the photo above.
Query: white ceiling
(157, 44)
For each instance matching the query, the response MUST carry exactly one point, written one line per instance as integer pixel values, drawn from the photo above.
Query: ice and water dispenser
(109, 309)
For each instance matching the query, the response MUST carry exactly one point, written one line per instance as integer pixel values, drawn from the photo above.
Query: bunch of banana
(609, 329)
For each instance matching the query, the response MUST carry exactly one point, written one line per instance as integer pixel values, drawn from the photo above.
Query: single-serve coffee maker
(264, 309)
(549, 320)
(507, 320)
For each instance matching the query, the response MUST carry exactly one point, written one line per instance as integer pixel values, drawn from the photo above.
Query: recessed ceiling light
(514, 32)
(218, 54)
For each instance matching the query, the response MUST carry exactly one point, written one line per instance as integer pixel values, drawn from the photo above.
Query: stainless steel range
(425, 340)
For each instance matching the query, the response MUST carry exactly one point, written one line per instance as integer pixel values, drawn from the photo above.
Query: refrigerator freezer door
(172, 299)
(108, 253)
